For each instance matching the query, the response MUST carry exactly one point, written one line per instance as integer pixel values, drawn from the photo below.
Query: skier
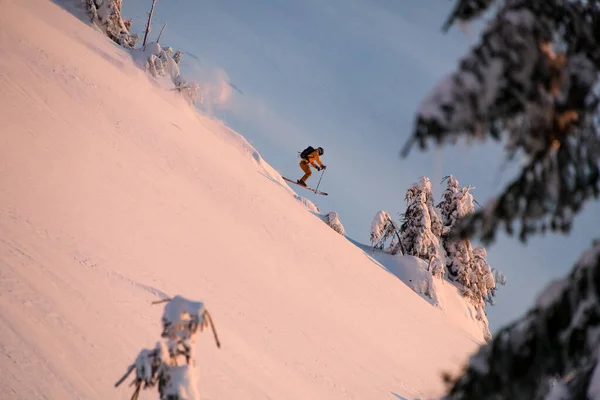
(309, 156)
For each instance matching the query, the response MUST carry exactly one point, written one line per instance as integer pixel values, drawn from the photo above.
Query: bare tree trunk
(148, 24)
(161, 31)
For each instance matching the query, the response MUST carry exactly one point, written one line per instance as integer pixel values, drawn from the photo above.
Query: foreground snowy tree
(422, 226)
(171, 364)
(106, 14)
(512, 85)
(384, 229)
(557, 338)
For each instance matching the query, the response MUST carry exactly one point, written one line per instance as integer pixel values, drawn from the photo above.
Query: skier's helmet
(320, 151)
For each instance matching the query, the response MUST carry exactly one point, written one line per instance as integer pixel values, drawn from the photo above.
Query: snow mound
(332, 219)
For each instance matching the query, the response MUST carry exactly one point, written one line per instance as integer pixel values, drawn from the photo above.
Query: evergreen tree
(513, 85)
(466, 265)
(436, 221)
(422, 225)
(456, 203)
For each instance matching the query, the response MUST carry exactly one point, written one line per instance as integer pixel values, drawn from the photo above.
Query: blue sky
(348, 75)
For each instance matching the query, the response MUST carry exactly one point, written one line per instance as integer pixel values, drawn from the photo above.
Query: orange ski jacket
(314, 156)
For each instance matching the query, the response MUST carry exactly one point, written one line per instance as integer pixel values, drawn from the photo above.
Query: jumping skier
(309, 156)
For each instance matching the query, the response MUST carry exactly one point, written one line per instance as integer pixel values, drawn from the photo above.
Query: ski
(305, 187)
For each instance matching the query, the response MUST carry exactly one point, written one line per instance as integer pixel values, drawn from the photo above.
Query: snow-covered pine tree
(466, 265)
(456, 203)
(106, 14)
(422, 225)
(384, 229)
(557, 339)
(436, 220)
(171, 364)
(481, 282)
(512, 84)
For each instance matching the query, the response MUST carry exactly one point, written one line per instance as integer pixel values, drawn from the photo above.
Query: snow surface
(439, 292)
(115, 193)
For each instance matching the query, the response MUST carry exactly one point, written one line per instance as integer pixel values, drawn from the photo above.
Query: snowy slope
(114, 193)
(440, 292)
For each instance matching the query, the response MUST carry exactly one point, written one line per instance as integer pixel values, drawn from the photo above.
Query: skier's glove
(324, 167)
(317, 167)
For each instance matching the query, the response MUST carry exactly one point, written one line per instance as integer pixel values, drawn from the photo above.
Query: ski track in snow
(115, 193)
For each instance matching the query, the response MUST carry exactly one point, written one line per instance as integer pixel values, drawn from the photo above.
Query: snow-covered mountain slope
(114, 192)
(440, 292)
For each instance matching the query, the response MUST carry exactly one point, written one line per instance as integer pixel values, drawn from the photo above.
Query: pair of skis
(306, 187)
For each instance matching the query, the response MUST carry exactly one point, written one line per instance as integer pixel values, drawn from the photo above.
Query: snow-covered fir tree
(466, 265)
(422, 226)
(385, 230)
(456, 203)
(106, 14)
(436, 221)
(512, 85)
(170, 365)
(481, 282)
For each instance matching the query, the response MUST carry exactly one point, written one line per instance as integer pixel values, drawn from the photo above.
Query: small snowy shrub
(164, 63)
(159, 61)
(190, 91)
(171, 363)
(333, 220)
(177, 56)
(106, 14)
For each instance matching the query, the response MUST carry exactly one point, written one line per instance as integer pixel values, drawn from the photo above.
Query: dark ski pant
(306, 168)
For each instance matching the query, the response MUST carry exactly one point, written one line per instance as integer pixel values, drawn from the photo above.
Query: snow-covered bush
(171, 364)
(159, 61)
(333, 220)
(163, 63)
(190, 91)
(106, 14)
(422, 226)
(383, 228)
